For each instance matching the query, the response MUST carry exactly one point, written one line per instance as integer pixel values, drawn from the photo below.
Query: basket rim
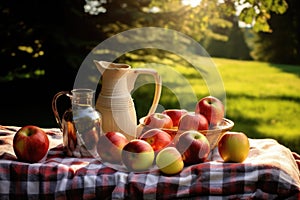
(226, 125)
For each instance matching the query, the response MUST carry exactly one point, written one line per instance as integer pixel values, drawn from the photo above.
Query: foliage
(39, 39)
(235, 47)
(257, 13)
(283, 44)
(36, 36)
(198, 21)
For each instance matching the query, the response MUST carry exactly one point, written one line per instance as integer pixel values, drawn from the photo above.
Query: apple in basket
(234, 147)
(110, 145)
(175, 115)
(157, 138)
(212, 108)
(138, 155)
(169, 161)
(158, 120)
(30, 144)
(193, 146)
(192, 121)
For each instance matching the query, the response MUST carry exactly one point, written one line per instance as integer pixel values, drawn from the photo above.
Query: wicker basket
(212, 135)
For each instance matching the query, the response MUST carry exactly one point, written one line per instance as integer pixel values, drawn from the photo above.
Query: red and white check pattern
(271, 171)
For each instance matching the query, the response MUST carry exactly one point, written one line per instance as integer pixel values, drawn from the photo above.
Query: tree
(37, 38)
(282, 45)
(235, 46)
(257, 13)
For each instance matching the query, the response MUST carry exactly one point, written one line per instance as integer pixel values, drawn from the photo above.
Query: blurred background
(254, 44)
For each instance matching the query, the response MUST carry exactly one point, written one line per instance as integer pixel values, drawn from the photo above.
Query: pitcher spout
(102, 66)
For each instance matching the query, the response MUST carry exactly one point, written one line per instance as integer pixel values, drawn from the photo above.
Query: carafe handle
(54, 106)
(131, 80)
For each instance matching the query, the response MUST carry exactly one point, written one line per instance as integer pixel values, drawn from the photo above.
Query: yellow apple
(234, 147)
(169, 161)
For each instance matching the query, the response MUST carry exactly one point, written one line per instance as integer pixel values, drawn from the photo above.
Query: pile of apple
(173, 139)
(154, 147)
(209, 113)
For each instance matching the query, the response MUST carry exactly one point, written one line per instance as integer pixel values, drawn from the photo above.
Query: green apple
(234, 147)
(169, 161)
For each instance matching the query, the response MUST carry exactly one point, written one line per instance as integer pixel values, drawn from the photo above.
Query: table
(271, 171)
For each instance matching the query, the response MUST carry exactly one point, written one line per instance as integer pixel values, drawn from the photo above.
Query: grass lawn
(262, 99)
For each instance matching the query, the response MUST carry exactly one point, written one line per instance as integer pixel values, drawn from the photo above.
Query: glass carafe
(81, 125)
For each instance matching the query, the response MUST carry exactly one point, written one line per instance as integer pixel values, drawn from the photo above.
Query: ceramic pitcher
(115, 102)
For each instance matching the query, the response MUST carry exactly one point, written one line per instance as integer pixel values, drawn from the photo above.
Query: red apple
(212, 108)
(158, 120)
(30, 144)
(193, 146)
(138, 155)
(157, 138)
(192, 121)
(110, 147)
(175, 115)
(234, 147)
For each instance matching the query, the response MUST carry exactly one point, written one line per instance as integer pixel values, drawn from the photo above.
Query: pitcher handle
(54, 107)
(158, 83)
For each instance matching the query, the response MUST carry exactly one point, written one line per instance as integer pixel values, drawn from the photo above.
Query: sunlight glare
(192, 3)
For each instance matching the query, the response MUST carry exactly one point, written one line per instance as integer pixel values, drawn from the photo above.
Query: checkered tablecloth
(271, 171)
